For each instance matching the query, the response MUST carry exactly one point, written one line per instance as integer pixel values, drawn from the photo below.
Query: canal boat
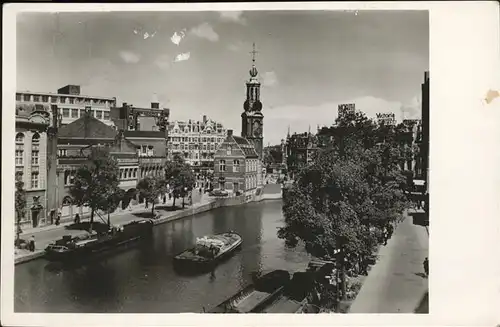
(254, 297)
(293, 298)
(209, 250)
(76, 248)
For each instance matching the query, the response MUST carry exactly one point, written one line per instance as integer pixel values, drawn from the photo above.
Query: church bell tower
(252, 119)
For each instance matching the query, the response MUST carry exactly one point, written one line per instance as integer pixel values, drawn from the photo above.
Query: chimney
(229, 132)
(155, 105)
(124, 104)
(204, 119)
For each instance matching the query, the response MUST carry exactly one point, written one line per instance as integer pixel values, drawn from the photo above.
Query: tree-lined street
(396, 283)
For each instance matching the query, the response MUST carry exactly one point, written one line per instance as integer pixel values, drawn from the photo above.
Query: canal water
(143, 280)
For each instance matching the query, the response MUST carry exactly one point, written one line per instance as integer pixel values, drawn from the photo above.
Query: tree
(184, 183)
(180, 178)
(20, 206)
(113, 202)
(339, 205)
(172, 171)
(150, 188)
(96, 182)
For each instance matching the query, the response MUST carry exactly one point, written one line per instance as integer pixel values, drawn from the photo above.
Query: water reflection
(142, 279)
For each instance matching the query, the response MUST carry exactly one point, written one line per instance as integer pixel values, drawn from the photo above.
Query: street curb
(29, 257)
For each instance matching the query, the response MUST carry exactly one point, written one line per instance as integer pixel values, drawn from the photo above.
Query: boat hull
(182, 263)
(130, 235)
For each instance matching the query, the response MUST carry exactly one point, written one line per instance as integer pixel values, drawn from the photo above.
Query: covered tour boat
(74, 248)
(209, 250)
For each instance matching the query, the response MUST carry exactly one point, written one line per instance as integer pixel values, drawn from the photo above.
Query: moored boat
(255, 296)
(75, 248)
(209, 250)
(293, 299)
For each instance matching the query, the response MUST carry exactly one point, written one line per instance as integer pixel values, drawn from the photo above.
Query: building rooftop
(87, 127)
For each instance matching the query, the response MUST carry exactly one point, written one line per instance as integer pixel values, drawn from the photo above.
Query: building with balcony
(71, 104)
(32, 124)
(196, 142)
(237, 166)
(300, 150)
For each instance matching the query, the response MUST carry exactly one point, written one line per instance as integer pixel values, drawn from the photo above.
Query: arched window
(19, 149)
(35, 149)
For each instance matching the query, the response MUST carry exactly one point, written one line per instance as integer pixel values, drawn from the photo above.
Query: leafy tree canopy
(352, 190)
(95, 183)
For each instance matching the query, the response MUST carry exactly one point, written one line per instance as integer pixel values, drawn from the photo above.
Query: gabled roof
(87, 127)
(246, 147)
(241, 140)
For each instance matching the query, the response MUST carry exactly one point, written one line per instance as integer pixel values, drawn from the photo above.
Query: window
(36, 98)
(71, 100)
(92, 113)
(19, 154)
(63, 99)
(35, 149)
(45, 98)
(106, 115)
(27, 97)
(98, 114)
(19, 148)
(53, 99)
(236, 166)
(228, 150)
(62, 152)
(74, 113)
(18, 97)
(222, 165)
(65, 112)
(34, 179)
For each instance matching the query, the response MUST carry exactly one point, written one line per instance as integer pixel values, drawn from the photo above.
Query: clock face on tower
(257, 129)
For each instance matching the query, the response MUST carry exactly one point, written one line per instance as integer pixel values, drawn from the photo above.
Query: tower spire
(253, 52)
(253, 72)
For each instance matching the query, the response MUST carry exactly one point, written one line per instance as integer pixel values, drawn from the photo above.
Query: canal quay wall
(172, 216)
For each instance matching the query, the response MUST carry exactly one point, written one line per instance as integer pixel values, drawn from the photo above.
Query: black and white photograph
(233, 161)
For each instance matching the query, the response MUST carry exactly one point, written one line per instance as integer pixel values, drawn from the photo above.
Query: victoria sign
(386, 118)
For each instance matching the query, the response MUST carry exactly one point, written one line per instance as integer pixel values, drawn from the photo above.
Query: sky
(197, 63)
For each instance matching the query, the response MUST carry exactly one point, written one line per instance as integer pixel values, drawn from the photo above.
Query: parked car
(218, 193)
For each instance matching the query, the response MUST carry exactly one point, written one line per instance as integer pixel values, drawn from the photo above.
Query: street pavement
(396, 283)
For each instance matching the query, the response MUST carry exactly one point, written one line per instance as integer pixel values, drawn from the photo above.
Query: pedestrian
(390, 230)
(146, 206)
(58, 219)
(77, 219)
(426, 266)
(32, 243)
(164, 198)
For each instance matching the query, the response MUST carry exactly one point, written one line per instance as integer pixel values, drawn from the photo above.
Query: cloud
(130, 57)
(182, 56)
(269, 79)
(205, 31)
(301, 118)
(163, 62)
(177, 38)
(413, 109)
(233, 16)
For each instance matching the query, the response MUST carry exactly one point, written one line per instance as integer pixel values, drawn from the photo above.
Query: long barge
(76, 248)
(208, 251)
